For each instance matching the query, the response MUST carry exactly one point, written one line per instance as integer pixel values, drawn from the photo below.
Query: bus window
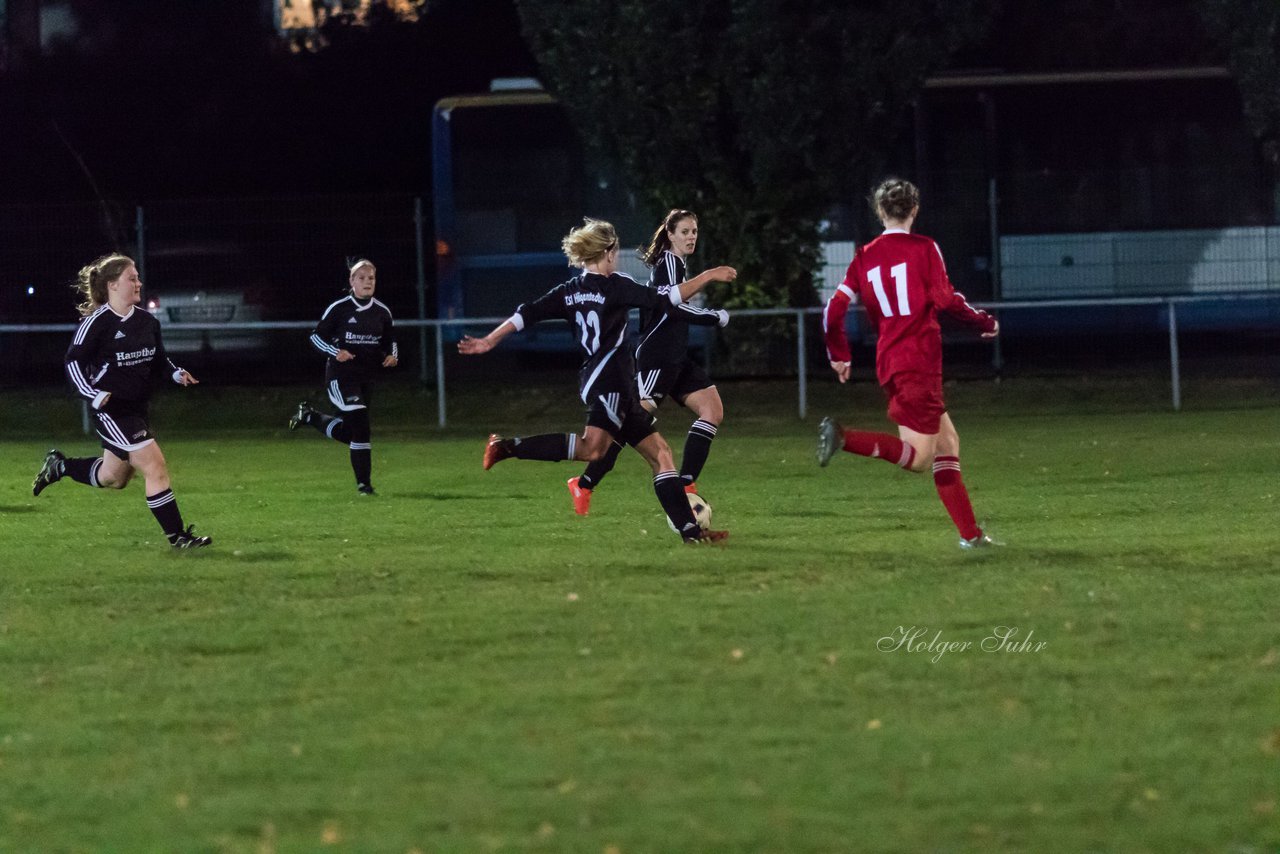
(508, 177)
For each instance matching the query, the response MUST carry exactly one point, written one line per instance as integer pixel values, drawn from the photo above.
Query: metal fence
(289, 251)
(796, 330)
(287, 254)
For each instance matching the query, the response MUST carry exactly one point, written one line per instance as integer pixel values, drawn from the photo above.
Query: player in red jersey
(902, 281)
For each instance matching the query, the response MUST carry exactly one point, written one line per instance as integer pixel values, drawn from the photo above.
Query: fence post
(422, 290)
(1176, 374)
(802, 364)
(997, 353)
(139, 225)
(997, 285)
(440, 372)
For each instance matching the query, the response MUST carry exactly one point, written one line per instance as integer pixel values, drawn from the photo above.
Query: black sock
(334, 428)
(165, 508)
(361, 462)
(596, 470)
(551, 447)
(670, 491)
(82, 470)
(361, 455)
(697, 445)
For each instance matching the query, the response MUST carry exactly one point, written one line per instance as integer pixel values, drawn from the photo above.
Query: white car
(211, 307)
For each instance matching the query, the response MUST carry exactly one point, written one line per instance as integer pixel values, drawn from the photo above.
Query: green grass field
(460, 664)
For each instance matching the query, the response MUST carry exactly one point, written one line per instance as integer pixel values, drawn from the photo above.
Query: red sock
(946, 476)
(879, 446)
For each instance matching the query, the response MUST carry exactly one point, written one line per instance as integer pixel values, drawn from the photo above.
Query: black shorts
(621, 416)
(123, 430)
(676, 381)
(348, 395)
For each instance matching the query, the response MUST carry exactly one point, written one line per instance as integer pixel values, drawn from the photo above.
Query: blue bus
(510, 178)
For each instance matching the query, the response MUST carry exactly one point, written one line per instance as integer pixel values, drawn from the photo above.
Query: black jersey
(598, 306)
(664, 339)
(362, 329)
(117, 355)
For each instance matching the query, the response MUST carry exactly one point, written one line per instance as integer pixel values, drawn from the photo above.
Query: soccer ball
(701, 510)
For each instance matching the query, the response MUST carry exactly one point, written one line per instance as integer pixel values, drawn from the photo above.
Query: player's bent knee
(153, 469)
(115, 480)
(593, 448)
(921, 463)
(707, 406)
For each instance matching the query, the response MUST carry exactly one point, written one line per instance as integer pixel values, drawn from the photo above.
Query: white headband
(361, 263)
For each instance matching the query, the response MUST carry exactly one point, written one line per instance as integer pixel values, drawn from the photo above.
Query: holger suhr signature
(1008, 639)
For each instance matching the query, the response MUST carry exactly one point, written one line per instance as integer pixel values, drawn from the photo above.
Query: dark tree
(1080, 35)
(1250, 30)
(759, 114)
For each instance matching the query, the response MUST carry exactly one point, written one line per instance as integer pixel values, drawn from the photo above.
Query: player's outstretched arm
(696, 316)
(470, 346)
(700, 281)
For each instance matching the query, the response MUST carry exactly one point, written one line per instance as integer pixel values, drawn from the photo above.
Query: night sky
(139, 100)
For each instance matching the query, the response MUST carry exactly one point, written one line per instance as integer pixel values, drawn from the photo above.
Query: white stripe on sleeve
(322, 345)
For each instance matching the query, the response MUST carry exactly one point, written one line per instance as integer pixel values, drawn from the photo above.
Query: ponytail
(93, 279)
(589, 242)
(661, 241)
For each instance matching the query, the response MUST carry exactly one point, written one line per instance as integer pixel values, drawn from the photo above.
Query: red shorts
(915, 401)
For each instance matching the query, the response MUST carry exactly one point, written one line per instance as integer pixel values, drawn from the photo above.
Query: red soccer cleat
(496, 451)
(581, 497)
(691, 489)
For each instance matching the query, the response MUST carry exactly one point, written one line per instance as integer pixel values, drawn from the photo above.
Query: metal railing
(1169, 304)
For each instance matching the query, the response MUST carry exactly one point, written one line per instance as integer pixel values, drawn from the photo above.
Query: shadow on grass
(441, 496)
(808, 513)
(17, 508)
(457, 496)
(251, 557)
(208, 650)
(491, 575)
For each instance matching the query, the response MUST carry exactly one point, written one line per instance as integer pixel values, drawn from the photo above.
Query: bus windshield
(508, 183)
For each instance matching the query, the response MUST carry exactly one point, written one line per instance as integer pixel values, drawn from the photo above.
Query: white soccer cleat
(982, 541)
(830, 440)
(302, 416)
(188, 539)
(50, 472)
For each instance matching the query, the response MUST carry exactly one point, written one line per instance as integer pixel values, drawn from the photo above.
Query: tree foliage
(759, 114)
(1250, 29)
(1094, 34)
